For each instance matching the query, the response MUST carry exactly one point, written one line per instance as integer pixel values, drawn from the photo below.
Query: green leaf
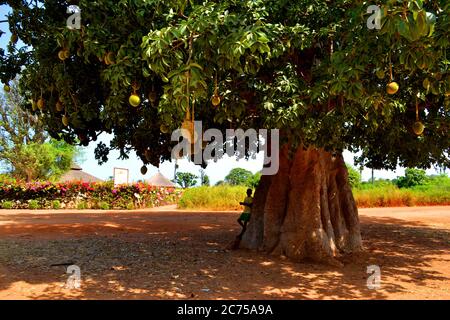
(421, 23)
(403, 29)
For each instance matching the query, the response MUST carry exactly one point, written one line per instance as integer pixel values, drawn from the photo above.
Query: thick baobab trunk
(306, 210)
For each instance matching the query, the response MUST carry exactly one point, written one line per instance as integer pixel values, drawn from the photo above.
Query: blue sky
(216, 171)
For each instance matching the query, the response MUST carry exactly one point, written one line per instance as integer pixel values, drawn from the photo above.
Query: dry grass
(391, 196)
(213, 198)
(228, 197)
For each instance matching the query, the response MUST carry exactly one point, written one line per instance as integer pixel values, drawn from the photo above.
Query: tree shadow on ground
(164, 259)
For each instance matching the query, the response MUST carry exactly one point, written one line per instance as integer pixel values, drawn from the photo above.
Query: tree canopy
(26, 152)
(185, 179)
(310, 68)
(413, 177)
(238, 176)
(204, 178)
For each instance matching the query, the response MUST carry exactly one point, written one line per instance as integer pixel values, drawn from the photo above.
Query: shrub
(413, 177)
(33, 204)
(82, 205)
(354, 177)
(205, 180)
(56, 204)
(71, 193)
(103, 205)
(7, 205)
(130, 206)
(253, 181)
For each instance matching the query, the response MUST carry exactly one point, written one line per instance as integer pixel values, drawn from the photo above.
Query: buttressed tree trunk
(306, 210)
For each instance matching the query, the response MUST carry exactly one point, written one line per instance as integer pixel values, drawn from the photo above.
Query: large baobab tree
(313, 69)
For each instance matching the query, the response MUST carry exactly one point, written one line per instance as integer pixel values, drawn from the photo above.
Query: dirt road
(167, 254)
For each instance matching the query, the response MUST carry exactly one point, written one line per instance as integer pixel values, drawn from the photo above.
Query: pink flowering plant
(77, 195)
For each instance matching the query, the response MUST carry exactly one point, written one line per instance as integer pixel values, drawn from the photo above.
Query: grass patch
(435, 192)
(384, 194)
(394, 197)
(213, 198)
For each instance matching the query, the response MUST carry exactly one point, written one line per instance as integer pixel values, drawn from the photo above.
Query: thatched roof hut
(77, 174)
(158, 180)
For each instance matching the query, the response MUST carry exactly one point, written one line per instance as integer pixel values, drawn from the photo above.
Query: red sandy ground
(167, 254)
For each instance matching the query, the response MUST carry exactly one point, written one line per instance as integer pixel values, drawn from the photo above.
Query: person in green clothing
(244, 218)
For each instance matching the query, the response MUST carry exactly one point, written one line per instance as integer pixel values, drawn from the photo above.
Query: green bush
(56, 204)
(253, 181)
(33, 204)
(103, 206)
(82, 205)
(7, 205)
(130, 206)
(354, 177)
(435, 182)
(413, 177)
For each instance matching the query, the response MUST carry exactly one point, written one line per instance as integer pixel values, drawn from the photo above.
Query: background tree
(310, 68)
(243, 177)
(238, 176)
(253, 181)
(26, 151)
(204, 179)
(413, 177)
(186, 179)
